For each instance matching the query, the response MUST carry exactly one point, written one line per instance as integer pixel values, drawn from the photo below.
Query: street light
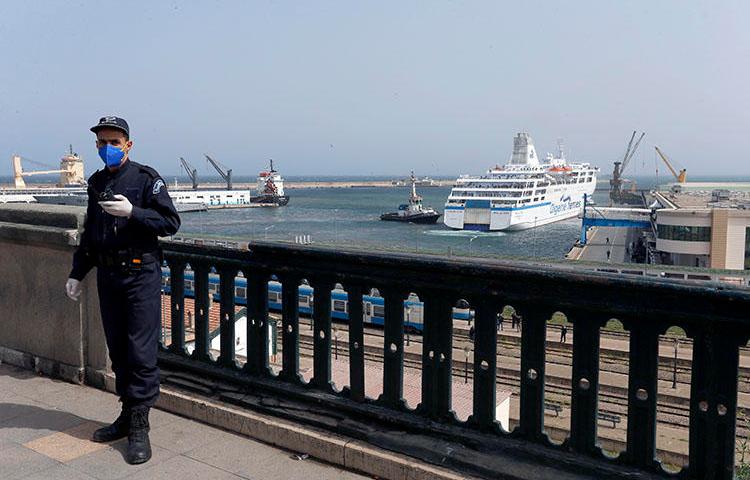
(406, 329)
(265, 232)
(471, 240)
(467, 349)
(335, 227)
(674, 365)
(336, 343)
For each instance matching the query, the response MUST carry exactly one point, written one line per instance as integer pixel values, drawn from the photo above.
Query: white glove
(119, 208)
(73, 289)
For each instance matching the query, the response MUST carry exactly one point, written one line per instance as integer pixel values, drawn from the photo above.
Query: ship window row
(495, 185)
(684, 233)
(489, 194)
(492, 189)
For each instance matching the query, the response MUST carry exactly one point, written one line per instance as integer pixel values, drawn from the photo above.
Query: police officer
(128, 208)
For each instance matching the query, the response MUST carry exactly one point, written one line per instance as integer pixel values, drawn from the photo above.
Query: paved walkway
(45, 426)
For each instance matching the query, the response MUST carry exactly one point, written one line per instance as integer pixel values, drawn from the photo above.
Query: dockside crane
(19, 173)
(192, 172)
(615, 191)
(224, 172)
(680, 177)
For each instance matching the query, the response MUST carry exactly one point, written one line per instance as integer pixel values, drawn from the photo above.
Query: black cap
(112, 122)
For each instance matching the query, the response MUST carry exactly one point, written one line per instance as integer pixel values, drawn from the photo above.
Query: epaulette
(150, 171)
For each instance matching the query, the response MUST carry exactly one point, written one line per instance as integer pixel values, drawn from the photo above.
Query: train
(373, 305)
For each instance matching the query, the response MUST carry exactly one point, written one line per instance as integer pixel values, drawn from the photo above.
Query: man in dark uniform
(128, 208)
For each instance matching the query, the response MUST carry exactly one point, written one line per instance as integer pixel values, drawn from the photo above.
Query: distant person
(471, 333)
(128, 209)
(515, 322)
(499, 322)
(563, 333)
(609, 252)
(607, 240)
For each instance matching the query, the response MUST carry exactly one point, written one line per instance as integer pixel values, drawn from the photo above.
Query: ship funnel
(524, 152)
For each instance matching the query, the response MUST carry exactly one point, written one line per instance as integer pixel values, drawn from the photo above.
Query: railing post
(356, 343)
(584, 383)
(290, 328)
(437, 354)
(393, 349)
(713, 404)
(533, 343)
(227, 317)
(202, 306)
(642, 392)
(177, 305)
(257, 323)
(322, 334)
(485, 363)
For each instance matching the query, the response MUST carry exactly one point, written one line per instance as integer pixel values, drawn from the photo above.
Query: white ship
(524, 193)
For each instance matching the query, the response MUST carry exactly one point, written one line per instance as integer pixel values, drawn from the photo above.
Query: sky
(378, 87)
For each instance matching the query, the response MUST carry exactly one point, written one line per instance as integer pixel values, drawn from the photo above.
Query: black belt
(126, 259)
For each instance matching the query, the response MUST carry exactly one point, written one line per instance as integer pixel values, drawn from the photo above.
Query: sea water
(350, 217)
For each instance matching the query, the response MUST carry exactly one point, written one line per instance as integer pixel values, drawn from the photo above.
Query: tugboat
(270, 188)
(413, 212)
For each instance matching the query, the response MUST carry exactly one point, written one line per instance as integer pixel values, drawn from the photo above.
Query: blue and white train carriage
(373, 305)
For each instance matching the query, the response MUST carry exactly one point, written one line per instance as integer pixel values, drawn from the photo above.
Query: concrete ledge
(60, 216)
(45, 366)
(326, 446)
(38, 235)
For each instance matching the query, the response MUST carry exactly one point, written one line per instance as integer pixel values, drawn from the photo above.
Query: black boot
(139, 446)
(118, 429)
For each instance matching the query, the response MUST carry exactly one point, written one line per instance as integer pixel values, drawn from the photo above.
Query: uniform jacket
(154, 215)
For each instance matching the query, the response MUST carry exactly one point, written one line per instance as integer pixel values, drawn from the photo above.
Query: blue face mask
(110, 155)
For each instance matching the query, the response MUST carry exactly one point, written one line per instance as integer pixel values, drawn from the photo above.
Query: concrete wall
(737, 223)
(40, 327)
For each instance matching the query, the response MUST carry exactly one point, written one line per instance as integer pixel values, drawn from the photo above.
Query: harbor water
(349, 217)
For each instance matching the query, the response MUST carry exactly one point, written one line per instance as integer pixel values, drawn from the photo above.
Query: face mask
(110, 155)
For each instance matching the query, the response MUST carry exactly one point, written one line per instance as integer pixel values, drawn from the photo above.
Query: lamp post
(335, 227)
(471, 240)
(265, 231)
(674, 365)
(406, 329)
(467, 349)
(336, 343)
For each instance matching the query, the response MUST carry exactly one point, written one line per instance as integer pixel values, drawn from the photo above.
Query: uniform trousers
(130, 303)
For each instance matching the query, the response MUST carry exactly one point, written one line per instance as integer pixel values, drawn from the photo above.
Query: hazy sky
(378, 87)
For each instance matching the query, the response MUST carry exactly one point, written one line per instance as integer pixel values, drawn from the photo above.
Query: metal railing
(713, 316)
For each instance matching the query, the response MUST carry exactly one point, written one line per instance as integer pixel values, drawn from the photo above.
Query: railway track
(671, 409)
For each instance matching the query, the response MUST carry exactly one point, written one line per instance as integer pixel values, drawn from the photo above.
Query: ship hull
(422, 218)
(279, 200)
(479, 215)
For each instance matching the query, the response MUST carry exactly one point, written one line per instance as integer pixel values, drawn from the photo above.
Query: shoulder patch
(158, 185)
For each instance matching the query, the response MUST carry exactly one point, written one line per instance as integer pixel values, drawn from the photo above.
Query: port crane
(680, 177)
(616, 182)
(192, 172)
(224, 172)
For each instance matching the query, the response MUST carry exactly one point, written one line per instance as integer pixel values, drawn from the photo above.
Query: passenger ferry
(524, 193)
